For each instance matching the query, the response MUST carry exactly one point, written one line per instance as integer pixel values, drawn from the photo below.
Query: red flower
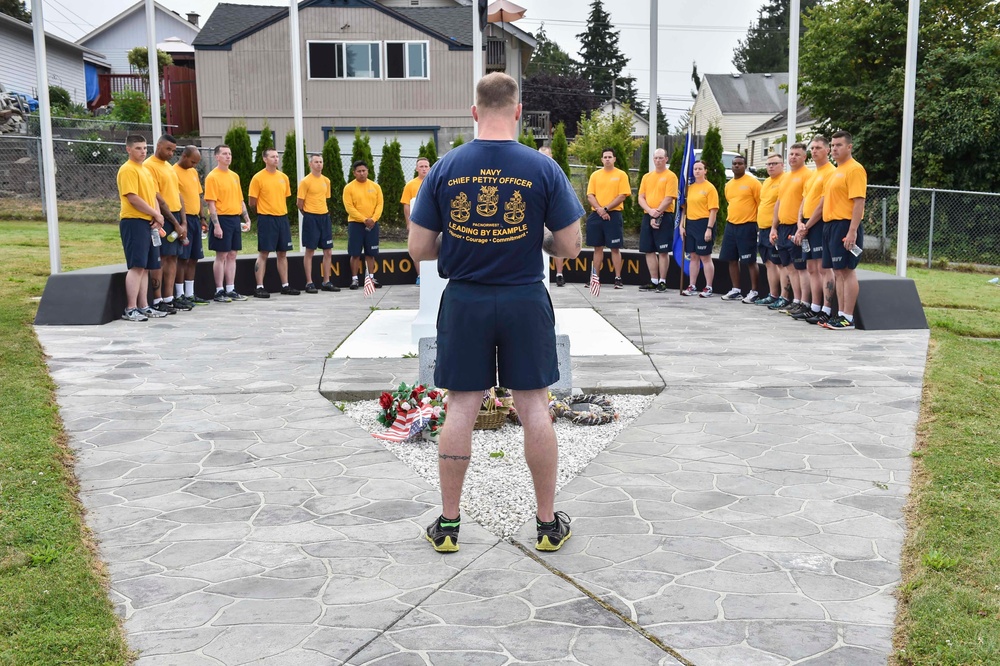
(385, 401)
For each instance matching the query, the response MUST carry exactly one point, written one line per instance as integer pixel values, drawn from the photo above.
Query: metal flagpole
(47, 153)
(905, 161)
(293, 24)
(794, 17)
(653, 35)
(154, 71)
(477, 58)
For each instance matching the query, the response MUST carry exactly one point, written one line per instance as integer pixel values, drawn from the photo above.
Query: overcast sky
(706, 31)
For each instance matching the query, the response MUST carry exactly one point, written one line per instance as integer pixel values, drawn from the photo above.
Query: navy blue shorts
(815, 236)
(193, 249)
(694, 238)
(170, 248)
(273, 233)
(483, 329)
(786, 246)
(835, 255)
(359, 238)
(765, 249)
(138, 244)
(232, 235)
(656, 240)
(606, 233)
(317, 231)
(739, 243)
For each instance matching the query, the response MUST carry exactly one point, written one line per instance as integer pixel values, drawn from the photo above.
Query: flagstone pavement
(753, 515)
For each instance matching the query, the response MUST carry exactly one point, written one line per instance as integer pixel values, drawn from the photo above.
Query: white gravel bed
(498, 493)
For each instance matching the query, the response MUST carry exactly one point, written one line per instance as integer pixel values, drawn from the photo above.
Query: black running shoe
(290, 291)
(803, 314)
(261, 292)
(180, 304)
(819, 318)
(552, 537)
(329, 286)
(649, 286)
(311, 289)
(354, 285)
(195, 300)
(378, 285)
(560, 281)
(165, 308)
(443, 535)
(618, 283)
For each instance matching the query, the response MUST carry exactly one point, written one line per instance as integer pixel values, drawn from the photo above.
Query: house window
(406, 60)
(763, 148)
(344, 60)
(753, 151)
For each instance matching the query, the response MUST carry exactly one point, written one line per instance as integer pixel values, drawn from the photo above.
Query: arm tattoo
(548, 241)
(445, 456)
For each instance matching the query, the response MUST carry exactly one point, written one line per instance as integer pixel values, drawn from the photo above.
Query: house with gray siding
(738, 104)
(396, 69)
(66, 61)
(119, 35)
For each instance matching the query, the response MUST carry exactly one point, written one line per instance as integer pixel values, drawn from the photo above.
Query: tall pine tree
(362, 150)
(549, 58)
(560, 148)
(16, 9)
(392, 182)
(333, 168)
(711, 155)
(603, 61)
(265, 142)
(766, 47)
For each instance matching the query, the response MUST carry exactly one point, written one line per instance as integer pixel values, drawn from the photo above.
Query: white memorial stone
(431, 287)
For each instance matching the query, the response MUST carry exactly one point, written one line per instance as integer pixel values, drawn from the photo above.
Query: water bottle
(185, 241)
(856, 250)
(154, 235)
(172, 236)
(806, 247)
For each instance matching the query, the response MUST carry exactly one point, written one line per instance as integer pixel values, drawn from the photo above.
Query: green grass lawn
(53, 602)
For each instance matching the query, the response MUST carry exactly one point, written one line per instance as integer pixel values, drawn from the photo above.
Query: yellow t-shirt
(190, 187)
(166, 181)
(135, 179)
(363, 200)
(410, 191)
(743, 195)
(223, 187)
(314, 191)
(848, 182)
(768, 197)
(271, 191)
(656, 186)
(700, 199)
(815, 191)
(791, 192)
(606, 185)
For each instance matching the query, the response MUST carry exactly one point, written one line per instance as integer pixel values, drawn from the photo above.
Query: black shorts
(606, 233)
(193, 250)
(656, 240)
(787, 246)
(317, 231)
(694, 238)
(765, 248)
(232, 235)
(273, 233)
(815, 236)
(170, 248)
(483, 329)
(137, 242)
(835, 255)
(359, 238)
(739, 243)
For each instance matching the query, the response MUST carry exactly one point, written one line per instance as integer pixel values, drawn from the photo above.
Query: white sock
(354, 278)
(841, 313)
(260, 286)
(827, 310)
(189, 288)
(156, 301)
(815, 307)
(230, 287)
(168, 299)
(283, 285)
(849, 318)
(178, 289)
(558, 274)
(795, 300)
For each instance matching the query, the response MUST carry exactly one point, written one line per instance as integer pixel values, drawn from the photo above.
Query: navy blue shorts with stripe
(739, 243)
(137, 242)
(317, 231)
(232, 235)
(273, 233)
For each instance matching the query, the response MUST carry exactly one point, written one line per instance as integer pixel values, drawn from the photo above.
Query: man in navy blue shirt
(485, 212)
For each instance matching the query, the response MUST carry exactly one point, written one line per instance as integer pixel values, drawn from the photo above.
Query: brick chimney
(193, 18)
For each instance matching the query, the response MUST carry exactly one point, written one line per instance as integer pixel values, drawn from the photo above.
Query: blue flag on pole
(685, 179)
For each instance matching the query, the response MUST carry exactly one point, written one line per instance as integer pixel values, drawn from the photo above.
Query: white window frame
(381, 55)
(406, 59)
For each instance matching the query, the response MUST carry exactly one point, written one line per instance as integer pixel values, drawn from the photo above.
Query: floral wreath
(564, 409)
(430, 402)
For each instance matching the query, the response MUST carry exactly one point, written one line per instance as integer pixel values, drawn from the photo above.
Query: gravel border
(492, 477)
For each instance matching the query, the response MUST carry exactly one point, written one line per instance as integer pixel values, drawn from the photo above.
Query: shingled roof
(780, 120)
(230, 21)
(749, 93)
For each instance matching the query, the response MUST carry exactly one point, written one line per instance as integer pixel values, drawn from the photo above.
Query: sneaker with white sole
(689, 291)
(153, 314)
(733, 295)
(706, 292)
(220, 297)
(751, 297)
(133, 314)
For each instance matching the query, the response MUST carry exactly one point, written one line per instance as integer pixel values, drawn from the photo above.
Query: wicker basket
(495, 418)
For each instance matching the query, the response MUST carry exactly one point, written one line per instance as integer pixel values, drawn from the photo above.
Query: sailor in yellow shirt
(317, 229)
(190, 188)
(843, 207)
(657, 196)
(410, 193)
(739, 243)
(224, 199)
(363, 201)
(139, 220)
(174, 220)
(607, 190)
(784, 225)
(765, 216)
(269, 192)
(701, 205)
(810, 232)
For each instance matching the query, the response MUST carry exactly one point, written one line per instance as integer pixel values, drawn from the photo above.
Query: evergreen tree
(528, 140)
(549, 58)
(766, 47)
(565, 97)
(662, 126)
(15, 8)
(362, 150)
(238, 140)
(333, 168)
(560, 148)
(603, 61)
(459, 140)
(676, 158)
(265, 142)
(431, 152)
(392, 182)
(643, 163)
(711, 155)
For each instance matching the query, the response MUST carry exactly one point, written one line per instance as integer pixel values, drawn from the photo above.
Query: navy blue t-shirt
(491, 200)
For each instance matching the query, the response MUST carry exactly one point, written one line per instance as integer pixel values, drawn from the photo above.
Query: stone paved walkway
(751, 516)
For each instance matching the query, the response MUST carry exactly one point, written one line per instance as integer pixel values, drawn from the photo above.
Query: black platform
(97, 295)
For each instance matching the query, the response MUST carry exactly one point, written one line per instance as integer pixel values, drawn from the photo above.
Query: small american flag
(369, 285)
(595, 282)
(407, 424)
